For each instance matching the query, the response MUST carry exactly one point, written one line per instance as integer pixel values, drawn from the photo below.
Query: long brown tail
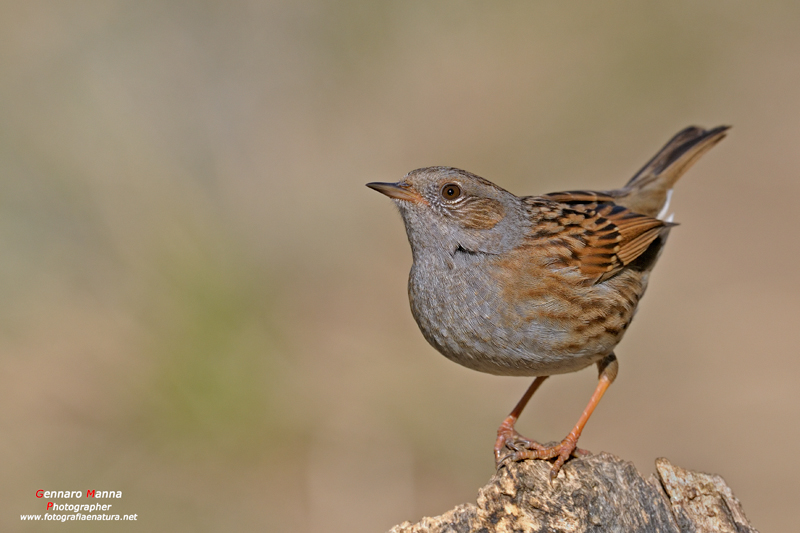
(647, 191)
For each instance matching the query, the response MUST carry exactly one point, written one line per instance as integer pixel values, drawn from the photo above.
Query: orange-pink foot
(521, 448)
(508, 439)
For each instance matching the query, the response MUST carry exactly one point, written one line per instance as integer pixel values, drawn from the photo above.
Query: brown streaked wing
(590, 199)
(637, 231)
(606, 237)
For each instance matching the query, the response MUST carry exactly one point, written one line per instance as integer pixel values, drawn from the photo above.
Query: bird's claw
(561, 452)
(509, 439)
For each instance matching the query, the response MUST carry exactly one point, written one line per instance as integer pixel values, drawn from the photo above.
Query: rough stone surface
(703, 502)
(600, 493)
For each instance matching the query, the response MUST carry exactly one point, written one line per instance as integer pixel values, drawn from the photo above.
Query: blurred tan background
(202, 306)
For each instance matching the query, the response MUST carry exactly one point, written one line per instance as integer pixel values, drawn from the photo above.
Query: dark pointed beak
(398, 191)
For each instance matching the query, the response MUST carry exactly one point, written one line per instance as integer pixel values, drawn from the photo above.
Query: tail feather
(647, 192)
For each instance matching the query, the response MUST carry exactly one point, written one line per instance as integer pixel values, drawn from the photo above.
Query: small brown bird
(536, 285)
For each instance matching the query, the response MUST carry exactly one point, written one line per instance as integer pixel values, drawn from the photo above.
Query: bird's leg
(507, 435)
(608, 368)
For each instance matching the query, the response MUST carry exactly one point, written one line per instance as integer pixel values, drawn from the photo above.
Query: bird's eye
(451, 191)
